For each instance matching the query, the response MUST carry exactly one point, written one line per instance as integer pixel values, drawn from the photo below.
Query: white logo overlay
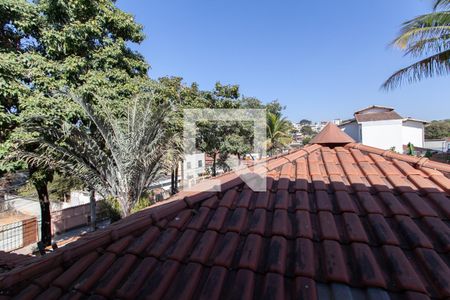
(253, 174)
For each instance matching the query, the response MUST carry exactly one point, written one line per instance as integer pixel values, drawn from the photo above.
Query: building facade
(384, 128)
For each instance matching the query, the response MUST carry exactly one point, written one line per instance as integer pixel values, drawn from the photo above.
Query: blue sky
(323, 59)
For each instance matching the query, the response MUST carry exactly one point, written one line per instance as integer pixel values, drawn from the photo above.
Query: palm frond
(435, 65)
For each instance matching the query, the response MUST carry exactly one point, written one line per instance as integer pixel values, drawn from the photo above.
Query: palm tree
(427, 35)
(278, 130)
(122, 157)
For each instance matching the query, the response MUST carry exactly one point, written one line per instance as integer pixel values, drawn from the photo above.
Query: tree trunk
(214, 165)
(172, 182)
(176, 179)
(93, 205)
(46, 230)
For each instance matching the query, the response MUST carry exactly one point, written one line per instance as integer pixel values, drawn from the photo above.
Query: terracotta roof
(9, 261)
(335, 223)
(369, 117)
(331, 134)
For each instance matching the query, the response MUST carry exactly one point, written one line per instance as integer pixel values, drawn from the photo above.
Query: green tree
(278, 133)
(424, 36)
(49, 45)
(438, 129)
(307, 130)
(130, 152)
(305, 122)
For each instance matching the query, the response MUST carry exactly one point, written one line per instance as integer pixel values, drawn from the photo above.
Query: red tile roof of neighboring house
(331, 134)
(335, 223)
(380, 116)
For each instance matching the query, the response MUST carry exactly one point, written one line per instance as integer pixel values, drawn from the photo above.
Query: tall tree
(48, 45)
(424, 36)
(278, 133)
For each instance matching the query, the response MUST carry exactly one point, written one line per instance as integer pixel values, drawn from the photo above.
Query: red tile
(276, 259)
(120, 245)
(382, 230)
(251, 253)
(393, 204)
(282, 200)
(344, 202)
(368, 169)
(441, 181)
(243, 286)
(119, 270)
(132, 286)
(338, 183)
(304, 258)
(388, 168)
(332, 169)
(440, 230)
(245, 198)
(198, 220)
(226, 249)
(45, 280)
(402, 270)
(163, 242)
(283, 183)
(29, 293)
(318, 183)
(304, 227)
(212, 289)
(424, 184)
(301, 201)
(69, 276)
(305, 288)
(258, 221)
(419, 205)
(139, 244)
(218, 219)
(181, 248)
(301, 184)
(412, 233)
(323, 201)
(441, 200)
(369, 203)
(358, 185)
(406, 168)
(437, 269)
(328, 227)
(237, 220)
(369, 270)
(229, 198)
(181, 218)
(401, 184)
(354, 228)
(378, 183)
(50, 294)
(262, 200)
(160, 280)
(314, 168)
(281, 225)
(414, 296)
(350, 169)
(204, 247)
(90, 277)
(335, 267)
(274, 287)
(211, 202)
(185, 283)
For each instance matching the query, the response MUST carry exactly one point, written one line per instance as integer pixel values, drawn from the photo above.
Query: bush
(110, 208)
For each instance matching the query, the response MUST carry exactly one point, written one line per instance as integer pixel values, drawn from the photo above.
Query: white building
(193, 167)
(383, 127)
(440, 145)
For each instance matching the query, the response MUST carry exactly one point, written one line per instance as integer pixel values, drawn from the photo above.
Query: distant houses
(383, 127)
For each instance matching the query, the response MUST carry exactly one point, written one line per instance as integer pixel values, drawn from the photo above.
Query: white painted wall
(193, 165)
(413, 132)
(383, 134)
(437, 145)
(353, 130)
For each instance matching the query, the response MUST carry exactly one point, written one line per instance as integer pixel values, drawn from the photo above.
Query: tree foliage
(278, 133)
(425, 36)
(438, 129)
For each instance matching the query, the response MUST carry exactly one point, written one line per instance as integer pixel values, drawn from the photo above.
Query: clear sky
(323, 59)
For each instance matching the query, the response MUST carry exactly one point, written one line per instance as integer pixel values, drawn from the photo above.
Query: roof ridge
(415, 161)
(150, 215)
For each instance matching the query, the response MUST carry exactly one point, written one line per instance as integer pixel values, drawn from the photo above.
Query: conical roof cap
(331, 134)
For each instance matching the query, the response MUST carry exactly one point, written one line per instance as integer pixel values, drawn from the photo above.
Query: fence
(18, 234)
(22, 233)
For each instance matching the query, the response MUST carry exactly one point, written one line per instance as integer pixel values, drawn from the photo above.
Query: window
(200, 163)
(188, 165)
